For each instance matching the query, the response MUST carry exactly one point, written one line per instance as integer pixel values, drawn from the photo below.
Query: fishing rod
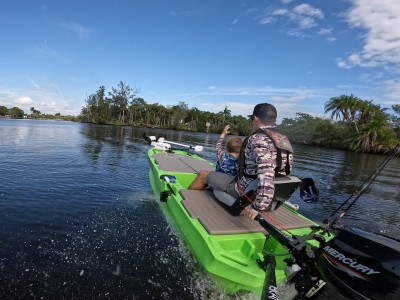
(361, 188)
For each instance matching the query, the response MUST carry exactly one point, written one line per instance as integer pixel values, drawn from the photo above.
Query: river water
(78, 219)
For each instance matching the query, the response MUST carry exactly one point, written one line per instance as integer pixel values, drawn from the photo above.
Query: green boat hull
(230, 259)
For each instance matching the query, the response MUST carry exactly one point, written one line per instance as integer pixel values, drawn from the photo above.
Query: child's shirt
(226, 163)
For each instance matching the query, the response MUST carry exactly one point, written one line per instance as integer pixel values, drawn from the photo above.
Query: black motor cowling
(361, 265)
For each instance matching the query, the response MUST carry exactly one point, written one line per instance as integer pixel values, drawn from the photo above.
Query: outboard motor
(361, 265)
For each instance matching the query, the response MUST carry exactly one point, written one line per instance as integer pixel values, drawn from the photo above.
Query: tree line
(14, 112)
(355, 124)
(121, 106)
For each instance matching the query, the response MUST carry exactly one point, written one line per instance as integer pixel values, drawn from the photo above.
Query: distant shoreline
(311, 144)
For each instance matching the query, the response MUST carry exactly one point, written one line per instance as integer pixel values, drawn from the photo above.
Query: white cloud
(242, 99)
(236, 108)
(46, 100)
(266, 91)
(235, 21)
(331, 39)
(24, 101)
(305, 16)
(342, 64)
(79, 30)
(370, 77)
(267, 19)
(306, 22)
(297, 33)
(302, 16)
(392, 90)
(308, 10)
(296, 96)
(381, 42)
(280, 12)
(324, 31)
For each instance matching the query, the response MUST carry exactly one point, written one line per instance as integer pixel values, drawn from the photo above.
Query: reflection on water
(79, 218)
(337, 173)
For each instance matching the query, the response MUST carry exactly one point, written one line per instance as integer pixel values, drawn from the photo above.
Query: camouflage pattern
(260, 160)
(226, 163)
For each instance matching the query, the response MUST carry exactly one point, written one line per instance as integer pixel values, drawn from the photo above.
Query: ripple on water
(79, 219)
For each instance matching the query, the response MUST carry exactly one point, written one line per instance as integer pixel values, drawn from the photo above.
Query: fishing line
(272, 219)
(363, 186)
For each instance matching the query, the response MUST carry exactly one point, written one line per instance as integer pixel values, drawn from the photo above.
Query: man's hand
(250, 212)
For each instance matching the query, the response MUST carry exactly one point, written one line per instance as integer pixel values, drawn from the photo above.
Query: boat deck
(203, 206)
(177, 163)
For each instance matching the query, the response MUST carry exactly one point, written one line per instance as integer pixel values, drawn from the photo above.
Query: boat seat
(171, 162)
(284, 188)
(202, 205)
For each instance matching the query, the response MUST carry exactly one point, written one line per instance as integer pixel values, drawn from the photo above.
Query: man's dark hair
(266, 112)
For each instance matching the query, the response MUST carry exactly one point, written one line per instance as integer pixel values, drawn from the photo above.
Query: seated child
(228, 162)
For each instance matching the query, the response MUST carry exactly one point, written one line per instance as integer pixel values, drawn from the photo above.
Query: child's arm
(220, 152)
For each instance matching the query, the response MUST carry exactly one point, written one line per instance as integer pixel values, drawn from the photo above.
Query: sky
(210, 54)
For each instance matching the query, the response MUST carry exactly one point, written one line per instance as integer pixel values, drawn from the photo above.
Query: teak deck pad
(170, 162)
(203, 206)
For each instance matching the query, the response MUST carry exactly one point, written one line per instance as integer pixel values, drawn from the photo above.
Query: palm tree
(344, 108)
(338, 106)
(225, 114)
(371, 122)
(375, 133)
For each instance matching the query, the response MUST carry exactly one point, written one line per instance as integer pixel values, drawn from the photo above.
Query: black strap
(287, 167)
(255, 176)
(278, 158)
(279, 161)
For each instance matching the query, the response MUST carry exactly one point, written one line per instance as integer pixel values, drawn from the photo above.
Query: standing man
(265, 154)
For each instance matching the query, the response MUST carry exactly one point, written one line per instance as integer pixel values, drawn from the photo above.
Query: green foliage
(35, 112)
(373, 129)
(312, 130)
(119, 111)
(395, 120)
(359, 124)
(16, 112)
(396, 108)
(3, 111)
